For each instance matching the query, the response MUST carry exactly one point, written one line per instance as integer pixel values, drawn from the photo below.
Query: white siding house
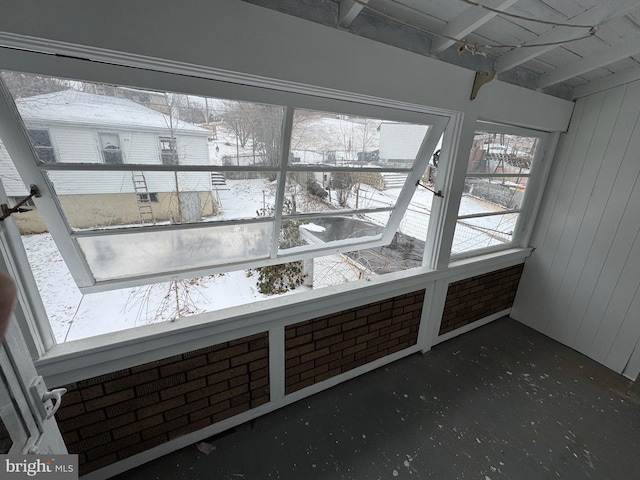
(75, 127)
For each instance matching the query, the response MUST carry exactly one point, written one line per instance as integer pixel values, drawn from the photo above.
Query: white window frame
(35, 172)
(537, 177)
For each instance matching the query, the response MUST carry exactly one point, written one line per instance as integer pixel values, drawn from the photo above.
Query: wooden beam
(471, 19)
(596, 15)
(349, 10)
(605, 83)
(610, 55)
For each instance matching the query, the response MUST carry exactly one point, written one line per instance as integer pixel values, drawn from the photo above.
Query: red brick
(259, 364)
(186, 409)
(108, 400)
(183, 366)
(367, 336)
(69, 411)
(160, 384)
(131, 405)
(342, 345)
(227, 374)
(355, 332)
(250, 357)
(300, 368)
(207, 370)
(228, 352)
(106, 425)
(243, 380)
(315, 354)
(207, 391)
(298, 351)
(183, 388)
(228, 394)
(131, 380)
(139, 425)
(300, 340)
(160, 407)
(354, 324)
(87, 393)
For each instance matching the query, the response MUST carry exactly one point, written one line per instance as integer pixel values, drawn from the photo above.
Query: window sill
(77, 360)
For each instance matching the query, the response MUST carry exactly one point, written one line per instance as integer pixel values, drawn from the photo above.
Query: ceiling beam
(468, 21)
(610, 55)
(596, 15)
(349, 10)
(605, 83)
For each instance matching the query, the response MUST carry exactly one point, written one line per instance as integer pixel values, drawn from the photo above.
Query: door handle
(47, 401)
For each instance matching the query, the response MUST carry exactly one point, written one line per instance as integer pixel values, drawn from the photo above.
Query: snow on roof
(70, 106)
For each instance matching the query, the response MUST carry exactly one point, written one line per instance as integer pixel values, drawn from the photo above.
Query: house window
(41, 141)
(496, 184)
(148, 197)
(110, 147)
(168, 151)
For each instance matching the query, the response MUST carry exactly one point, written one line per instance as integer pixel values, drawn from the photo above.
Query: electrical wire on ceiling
(476, 48)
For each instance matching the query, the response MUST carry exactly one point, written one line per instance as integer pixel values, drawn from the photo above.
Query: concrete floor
(500, 402)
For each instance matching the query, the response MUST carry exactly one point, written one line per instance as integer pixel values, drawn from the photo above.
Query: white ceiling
(596, 47)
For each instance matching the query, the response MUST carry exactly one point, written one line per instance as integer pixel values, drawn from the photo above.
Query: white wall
(581, 285)
(222, 37)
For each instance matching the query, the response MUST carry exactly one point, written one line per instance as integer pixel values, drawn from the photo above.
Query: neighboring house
(400, 142)
(78, 127)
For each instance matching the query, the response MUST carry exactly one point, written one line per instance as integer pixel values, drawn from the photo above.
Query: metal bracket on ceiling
(481, 79)
(6, 211)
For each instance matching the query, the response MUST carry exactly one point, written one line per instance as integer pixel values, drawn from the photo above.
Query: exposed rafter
(591, 62)
(607, 82)
(600, 13)
(349, 10)
(471, 19)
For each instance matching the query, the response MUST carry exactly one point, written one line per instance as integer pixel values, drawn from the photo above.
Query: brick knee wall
(114, 416)
(318, 349)
(478, 297)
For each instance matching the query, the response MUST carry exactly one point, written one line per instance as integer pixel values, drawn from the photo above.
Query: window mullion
(16, 141)
(285, 143)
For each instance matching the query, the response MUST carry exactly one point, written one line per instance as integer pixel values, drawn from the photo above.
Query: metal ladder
(143, 199)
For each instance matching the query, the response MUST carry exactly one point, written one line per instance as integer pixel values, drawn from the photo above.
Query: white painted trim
(277, 365)
(191, 438)
(471, 326)
(434, 311)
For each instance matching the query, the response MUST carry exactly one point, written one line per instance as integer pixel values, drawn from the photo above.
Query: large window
(280, 184)
(498, 173)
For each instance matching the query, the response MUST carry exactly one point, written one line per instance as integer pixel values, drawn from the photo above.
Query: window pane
(318, 191)
(105, 199)
(493, 194)
(496, 153)
(148, 253)
(481, 232)
(340, 140)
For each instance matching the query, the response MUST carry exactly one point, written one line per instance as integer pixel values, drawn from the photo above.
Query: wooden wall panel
(581, 285)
